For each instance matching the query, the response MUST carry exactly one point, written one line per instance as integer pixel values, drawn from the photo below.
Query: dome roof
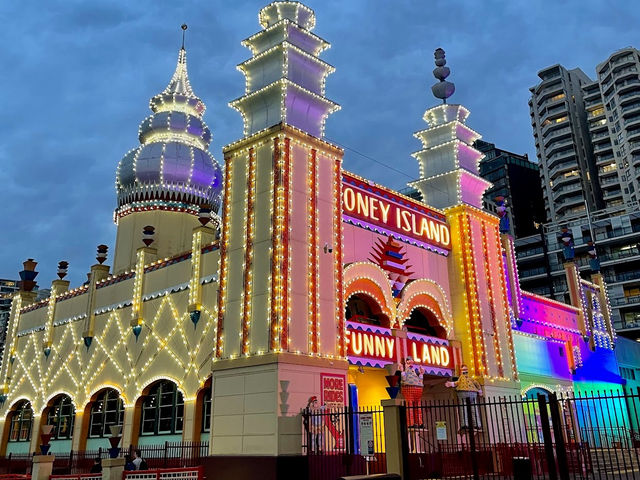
(172, 168)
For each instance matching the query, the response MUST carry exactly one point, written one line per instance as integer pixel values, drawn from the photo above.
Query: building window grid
(61, 415)
(206, 411)
(21, 424)
(162, 410)
(106, 411)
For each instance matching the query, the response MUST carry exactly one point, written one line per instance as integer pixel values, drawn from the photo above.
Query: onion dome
(172, 168)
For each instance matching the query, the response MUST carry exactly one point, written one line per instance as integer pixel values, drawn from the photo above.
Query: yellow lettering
(368, 345)
(406, 224)
(379, 346)
(374, 207)
(356, 343)
(435, 232)
(435, 355)
(445, 235)
(424, 228)
(444, 356)
(390, 341)
(363, 206)
(349, 199)
(426, 359)
(415, 351)
(385, 211)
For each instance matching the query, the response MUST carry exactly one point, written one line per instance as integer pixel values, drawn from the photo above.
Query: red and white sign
(379, 344)
(333, 390)
(387, 210)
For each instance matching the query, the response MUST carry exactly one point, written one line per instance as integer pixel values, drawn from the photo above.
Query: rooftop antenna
(184, 29)
(442, 89)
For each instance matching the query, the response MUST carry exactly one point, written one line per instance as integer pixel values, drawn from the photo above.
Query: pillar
(394, 436)
(42, 467)
(78, 443)
(38, 421)
(189, 420)
(129, 437)
(113, 468)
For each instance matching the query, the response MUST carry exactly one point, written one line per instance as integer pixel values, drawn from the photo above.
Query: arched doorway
(161, 411)
(364, 309)
(61, 413)
(202, 423)
(424, 322)
(105, 409)
(20, 425)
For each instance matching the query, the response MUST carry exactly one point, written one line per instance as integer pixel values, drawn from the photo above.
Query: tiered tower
(280, 311)
(449, 180)
(167, 179)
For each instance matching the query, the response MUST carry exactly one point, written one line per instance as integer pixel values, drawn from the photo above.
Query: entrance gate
(594, 436)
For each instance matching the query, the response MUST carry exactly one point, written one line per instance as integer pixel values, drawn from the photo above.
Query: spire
(179, 83)
(442, 89)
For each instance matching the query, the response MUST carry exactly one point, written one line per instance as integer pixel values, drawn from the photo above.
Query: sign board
(441, 430)
(366, 434)
(378, 344)
(333, 390)
(384, 208)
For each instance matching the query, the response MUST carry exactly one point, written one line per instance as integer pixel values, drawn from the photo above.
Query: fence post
(561, 451)
(472, 438)
(546, 435)
(166, 446)
(395, 436)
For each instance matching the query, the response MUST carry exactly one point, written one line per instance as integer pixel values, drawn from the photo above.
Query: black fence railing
(342, 442)
(557, 437)
(16, 464)
(173, 454)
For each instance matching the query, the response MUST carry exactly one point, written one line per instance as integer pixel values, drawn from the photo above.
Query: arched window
(362, 309)
(424, 322)
(206, 410)
(21, 422)
(162, 410)
(61, 415)
(106, 410)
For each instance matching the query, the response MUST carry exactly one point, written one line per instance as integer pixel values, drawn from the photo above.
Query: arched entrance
(202, 420)
(18, 428)
(363, 308)
(424, 322)
(61, 413)
(106, 408)
(161, 414)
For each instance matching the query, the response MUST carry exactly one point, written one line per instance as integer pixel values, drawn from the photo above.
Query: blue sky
(77, 77)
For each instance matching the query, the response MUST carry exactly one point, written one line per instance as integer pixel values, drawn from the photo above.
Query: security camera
(327, 248)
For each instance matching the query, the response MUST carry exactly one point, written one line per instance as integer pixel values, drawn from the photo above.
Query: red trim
(248, 254)
(276, 265)
(284, 334)
(338, 263)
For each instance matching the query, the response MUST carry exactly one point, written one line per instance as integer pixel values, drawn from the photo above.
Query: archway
(202, 420)
(61, 413)
(363, 308)
(370, 281)
(160, 410)
(427, 296)
(105, 408)
(18, 428)
(424, 322)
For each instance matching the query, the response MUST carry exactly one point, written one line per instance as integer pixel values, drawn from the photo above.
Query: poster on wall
(333, 392)
(366, 434)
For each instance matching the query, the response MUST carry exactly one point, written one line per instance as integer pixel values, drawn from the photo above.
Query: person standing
(411, 385)
(137, 459)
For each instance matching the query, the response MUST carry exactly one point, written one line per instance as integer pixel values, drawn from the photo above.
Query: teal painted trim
(96, 443)
(18, 447)
(158, 439)
(60, 446)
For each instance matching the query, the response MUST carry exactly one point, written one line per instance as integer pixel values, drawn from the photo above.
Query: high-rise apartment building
(563, 147)
(7, 289)
(587, 136)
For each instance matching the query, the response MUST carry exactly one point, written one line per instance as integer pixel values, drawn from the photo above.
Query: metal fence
(586, 436)
(19, 464)
(172, 454)
(332, 442)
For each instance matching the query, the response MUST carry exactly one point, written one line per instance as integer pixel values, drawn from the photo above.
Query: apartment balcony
(563, 167)
(563, 155)
(593, 102)
(565, 179)
(627, 84)
(595, 114)
(635, 161)
(624, 277)
(629, 96)
(532, 273)
(609, 181)
(611, 194)
(561, 192)
(634, 147)
(530, 253)
(635, 120)
(598, 126)
(559, 137)
(608, 170)
(624, 301)
(568, 202)
(604, 159)
(620, 255)
(560, 144)
(632, 108)
(601, 147)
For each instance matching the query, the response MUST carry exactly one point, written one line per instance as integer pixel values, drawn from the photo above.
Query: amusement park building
(317, 281)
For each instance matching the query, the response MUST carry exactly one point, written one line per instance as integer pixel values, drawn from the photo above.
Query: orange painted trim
(284, 334)
(276, 262)
(224, 242)
(338, 262)
(313, 252)
(248, 253)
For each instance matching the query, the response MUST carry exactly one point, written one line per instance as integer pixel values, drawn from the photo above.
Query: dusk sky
(77, 77)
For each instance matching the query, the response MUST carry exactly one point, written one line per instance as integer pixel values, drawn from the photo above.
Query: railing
(16, 464)
(331, 442)
(79, 476)
(625, 300)
(173, 454)
(191, 473)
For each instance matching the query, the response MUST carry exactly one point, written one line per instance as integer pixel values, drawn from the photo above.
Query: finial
(63, 267)
(442, 89)
(102, 254)
(184, 29)
(147, 235)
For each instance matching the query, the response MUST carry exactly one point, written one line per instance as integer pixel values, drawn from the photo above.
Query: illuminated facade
(318, 281)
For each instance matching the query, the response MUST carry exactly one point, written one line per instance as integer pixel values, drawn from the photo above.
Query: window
(107, 410)
(206, 410)
(628, 373)
(61, 415)
(162, 410)
(21, 423)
